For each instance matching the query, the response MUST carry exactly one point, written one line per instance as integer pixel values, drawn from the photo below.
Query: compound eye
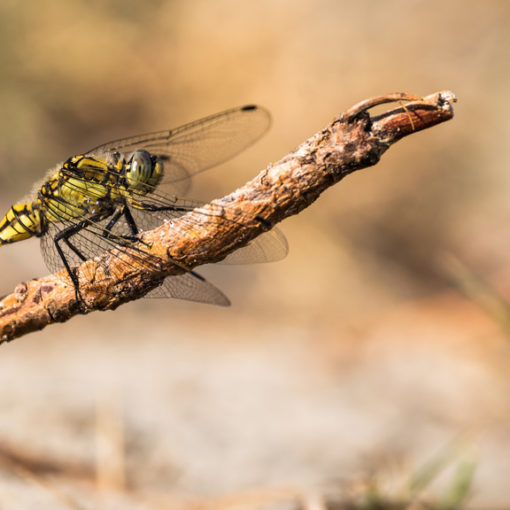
(140, 168)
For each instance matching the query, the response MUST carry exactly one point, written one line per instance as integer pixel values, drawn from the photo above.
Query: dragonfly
(106, 197)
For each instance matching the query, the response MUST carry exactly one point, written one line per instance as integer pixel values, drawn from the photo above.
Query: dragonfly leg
(131, 221)
(64, 235)
(264, 222)
(135, 231)
(72, 247)
(115, 218)
(151, 207)
(124, 211)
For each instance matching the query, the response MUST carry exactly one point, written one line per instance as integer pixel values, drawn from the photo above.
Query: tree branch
(353, 141)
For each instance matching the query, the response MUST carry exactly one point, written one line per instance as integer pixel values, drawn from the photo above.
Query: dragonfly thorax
(143, 171)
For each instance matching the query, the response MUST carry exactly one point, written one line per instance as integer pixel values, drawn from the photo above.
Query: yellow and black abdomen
(21, 222)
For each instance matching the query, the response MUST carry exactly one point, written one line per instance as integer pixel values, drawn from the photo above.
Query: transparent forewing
(197, 146)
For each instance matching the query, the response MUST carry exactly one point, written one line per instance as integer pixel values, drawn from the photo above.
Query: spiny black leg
(132, 226)
(112, 223)
(107, 231)
(72, 247)
(64, 235)
(155, 208)
(130, 221)
(124, 211)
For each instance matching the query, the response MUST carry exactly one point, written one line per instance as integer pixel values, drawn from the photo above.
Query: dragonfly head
(143, 171)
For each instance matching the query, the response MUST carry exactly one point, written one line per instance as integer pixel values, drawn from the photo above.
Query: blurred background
(372, 364)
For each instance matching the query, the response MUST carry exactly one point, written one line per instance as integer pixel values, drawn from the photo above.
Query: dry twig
(353, 141)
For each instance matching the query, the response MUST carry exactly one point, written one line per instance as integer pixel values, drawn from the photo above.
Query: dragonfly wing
(197, 146)
(91, 241)
(190, 287)
(171, 209)
(268, 247)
